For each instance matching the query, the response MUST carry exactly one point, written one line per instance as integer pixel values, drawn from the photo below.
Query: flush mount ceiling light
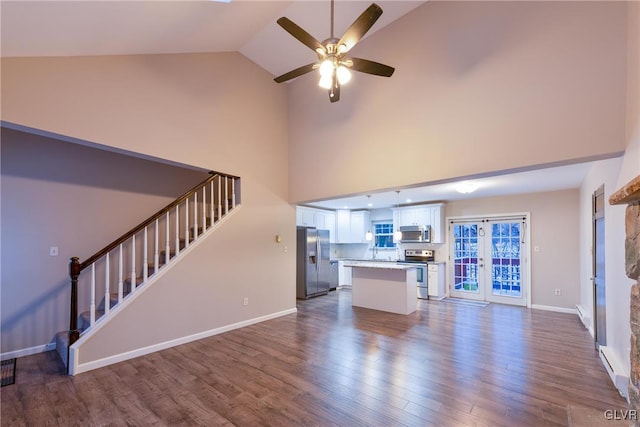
(466, 187)
(333, 63)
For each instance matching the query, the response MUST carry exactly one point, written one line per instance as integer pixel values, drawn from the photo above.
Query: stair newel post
(74, 273)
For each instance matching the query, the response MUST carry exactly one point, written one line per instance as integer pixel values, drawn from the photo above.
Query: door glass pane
(465, 264)
(505, 254)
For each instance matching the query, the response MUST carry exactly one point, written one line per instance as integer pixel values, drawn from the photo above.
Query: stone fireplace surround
(630, 195)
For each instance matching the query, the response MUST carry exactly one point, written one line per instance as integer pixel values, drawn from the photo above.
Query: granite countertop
(389, 265)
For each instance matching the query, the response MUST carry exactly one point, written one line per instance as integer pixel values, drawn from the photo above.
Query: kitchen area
(337, 248)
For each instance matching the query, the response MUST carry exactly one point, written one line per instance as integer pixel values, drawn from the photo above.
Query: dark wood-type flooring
(334, 365)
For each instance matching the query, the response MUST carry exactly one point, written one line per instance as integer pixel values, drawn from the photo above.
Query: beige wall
(554, 229)
(214, 111)
(478, 87)
(78, 199)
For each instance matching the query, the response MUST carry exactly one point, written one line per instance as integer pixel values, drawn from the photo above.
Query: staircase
(139, 257)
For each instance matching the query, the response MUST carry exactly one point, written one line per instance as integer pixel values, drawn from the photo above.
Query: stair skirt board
(139, 290)
(77, 368)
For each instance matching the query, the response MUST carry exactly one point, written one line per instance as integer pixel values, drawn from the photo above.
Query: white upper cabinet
(360, 224)
(321, 219)
(351, 227)
(343, 226)
(432, 215)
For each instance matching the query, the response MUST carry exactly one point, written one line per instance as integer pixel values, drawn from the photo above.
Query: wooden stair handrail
(148, 221)
(76, 267)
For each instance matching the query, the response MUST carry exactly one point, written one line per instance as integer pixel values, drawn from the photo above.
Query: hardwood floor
(334, 365)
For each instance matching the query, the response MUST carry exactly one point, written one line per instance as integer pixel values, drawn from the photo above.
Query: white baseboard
(616, 371)
(77, 368)
(554, 308)
(28, 351)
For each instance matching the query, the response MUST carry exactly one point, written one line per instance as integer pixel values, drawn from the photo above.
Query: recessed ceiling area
(534, 181)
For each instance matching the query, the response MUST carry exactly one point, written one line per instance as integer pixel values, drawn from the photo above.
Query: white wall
(614, 174)
(214, 111)
(618, 286)
(479, 87)
(554, 228)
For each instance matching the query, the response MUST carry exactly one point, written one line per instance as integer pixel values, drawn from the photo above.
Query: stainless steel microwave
(415, 234)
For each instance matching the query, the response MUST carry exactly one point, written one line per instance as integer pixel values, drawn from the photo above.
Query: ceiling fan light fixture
(326, 68)
(332, 59)
(344, 75)
(326, 82)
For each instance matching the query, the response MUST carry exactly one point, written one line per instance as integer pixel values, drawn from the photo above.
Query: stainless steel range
(420, 258)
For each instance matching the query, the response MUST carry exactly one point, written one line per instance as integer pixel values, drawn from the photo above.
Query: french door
(488, 258)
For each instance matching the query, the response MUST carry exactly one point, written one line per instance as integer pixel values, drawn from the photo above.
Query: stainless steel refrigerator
(312, 266)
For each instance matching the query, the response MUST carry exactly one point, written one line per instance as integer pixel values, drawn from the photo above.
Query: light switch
(53, 251)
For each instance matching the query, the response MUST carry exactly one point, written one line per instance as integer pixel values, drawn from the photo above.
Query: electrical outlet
(53, 251)
(245, 301)
(557, 292)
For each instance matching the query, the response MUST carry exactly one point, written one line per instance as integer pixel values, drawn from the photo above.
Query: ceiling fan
(333, 63)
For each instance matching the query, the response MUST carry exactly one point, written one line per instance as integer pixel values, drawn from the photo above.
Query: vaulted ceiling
(81, 28)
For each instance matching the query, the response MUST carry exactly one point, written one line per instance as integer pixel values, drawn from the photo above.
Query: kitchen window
(383, 234)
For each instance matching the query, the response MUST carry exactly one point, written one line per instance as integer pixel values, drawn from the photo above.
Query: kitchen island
(385, 286)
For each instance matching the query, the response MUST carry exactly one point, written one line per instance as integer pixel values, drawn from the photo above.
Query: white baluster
(167, 248)
(226, 195)
(204, 208)
(233, 193)
(92, 306)
(219, 199)
(156, 254)
(186, 223)
(107, 290)
(195, 215)
(211, 204)
(133, 263)
(145, 259)
(120, 264)
(177, 230)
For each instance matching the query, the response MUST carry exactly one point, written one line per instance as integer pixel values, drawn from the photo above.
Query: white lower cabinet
(344, 274)
(436, 280)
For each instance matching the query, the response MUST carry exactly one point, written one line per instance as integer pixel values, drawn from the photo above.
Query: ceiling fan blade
(300, 34)
(371, 67)
(360, 27)
(295, 73)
